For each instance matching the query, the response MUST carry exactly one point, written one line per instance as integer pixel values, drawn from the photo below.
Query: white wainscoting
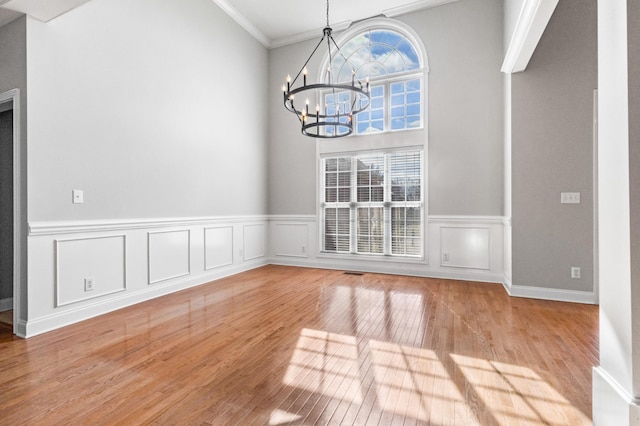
(474, 246)
(169, 255)
(465, 247)
(478, 248)
(101, 259)
(254, 241)
(218, 247)
(131, 261)
(291, 239)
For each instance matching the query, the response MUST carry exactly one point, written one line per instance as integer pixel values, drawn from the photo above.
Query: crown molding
(413, 7)
(243, 22)
(307, 35)
(532, 22)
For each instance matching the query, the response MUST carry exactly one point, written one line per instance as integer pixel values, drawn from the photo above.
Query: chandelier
(328, 120)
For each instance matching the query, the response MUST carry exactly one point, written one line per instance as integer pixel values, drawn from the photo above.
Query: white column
(616, 381)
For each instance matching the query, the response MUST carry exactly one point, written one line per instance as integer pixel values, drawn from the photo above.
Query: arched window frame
(386, 80)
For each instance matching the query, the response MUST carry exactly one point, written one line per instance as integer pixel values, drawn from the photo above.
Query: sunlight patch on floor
(417, 379)
(326, 363)
(512, 392)
(281, 417)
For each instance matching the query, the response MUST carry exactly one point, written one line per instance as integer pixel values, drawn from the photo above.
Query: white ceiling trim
(533, 20)
(308, 35)
(413, 7)
(243, 22)
(43, 10)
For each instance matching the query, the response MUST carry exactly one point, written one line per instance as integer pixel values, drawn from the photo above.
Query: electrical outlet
(575, 272)
(89, 284)
(304, 249)
(570, 197)
(445, 257)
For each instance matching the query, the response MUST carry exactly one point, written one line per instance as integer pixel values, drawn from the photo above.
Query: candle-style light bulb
(307, 105)
(304, 75)
(288, 83)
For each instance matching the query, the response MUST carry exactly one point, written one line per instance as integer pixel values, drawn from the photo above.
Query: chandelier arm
(308, 59)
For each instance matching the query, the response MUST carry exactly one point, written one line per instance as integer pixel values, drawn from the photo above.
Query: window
(392, 63)
(372, 203)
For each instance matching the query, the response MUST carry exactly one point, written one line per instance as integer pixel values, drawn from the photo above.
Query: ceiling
(279, 22)
(273, 22)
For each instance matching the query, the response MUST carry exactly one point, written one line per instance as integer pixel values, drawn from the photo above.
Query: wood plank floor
(281, 345)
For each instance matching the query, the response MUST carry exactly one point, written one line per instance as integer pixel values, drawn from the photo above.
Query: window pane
(375, 113)
(331, 179)
(370, 230)
(336, 230)
(413, 122)
(413, 97)
(397, 123)
(413, 109)
(344, 195)
(413, 85)
(397, 112)
(331, 195)
(377, 103)
(406, 231)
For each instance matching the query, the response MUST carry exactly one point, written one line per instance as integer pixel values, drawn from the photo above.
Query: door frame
(14, 97)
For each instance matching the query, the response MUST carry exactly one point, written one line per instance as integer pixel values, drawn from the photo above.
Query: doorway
(12, 222)
(6, 215)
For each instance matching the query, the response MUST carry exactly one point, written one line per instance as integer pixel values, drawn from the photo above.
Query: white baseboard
(612, 404)
(558, 295)
(58, 320)
(6, 304)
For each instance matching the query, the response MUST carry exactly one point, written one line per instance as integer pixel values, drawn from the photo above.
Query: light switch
(78, 196)
(570, 197)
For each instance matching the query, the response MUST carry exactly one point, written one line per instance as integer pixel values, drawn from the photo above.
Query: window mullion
(387, 205)
(353, 234)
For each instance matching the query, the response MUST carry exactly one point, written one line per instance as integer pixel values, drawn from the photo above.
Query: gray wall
(465, 109)
(147, 107)
(552, 152)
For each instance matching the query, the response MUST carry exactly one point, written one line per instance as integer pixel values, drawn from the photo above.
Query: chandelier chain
(327, 13)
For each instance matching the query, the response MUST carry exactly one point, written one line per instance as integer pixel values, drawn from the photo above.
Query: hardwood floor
(281, 345)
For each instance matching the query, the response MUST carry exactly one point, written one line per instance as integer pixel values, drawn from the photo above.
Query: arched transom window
(393, 64)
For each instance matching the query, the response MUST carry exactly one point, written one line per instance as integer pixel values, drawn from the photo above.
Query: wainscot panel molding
(295, 241)
(130, 261)
(103, 260)
(169, 254)
(218, 247)
(71, 227)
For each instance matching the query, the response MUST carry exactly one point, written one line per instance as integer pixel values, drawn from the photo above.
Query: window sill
(373, 258)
